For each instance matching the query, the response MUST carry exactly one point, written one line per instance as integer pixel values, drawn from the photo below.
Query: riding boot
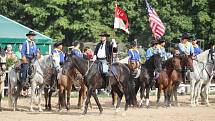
(107, 83)
(183, 74)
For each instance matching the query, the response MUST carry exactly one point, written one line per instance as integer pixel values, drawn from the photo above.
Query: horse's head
(187, 61)
(156, 62)
(176, 62)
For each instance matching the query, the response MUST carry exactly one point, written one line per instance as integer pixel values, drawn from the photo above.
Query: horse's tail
(131, 88)
(9, 92)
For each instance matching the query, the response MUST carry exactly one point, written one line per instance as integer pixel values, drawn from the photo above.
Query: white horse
(201, 77)
(36, 79)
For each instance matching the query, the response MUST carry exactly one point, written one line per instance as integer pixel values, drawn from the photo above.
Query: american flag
(158, 28)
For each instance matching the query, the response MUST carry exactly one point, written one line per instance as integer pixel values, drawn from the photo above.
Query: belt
(101, 58)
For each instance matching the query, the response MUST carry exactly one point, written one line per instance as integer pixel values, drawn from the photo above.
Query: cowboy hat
(185, 36)
(31, 33)
(161, 40)
(104, 34)
(154, 42)
(58, 44)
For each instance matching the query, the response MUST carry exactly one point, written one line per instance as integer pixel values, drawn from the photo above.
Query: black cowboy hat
(161, 40)
(133, 43)
(31, 33)
(58, 44)
(185, 36)
(154, 42)
(104, 34)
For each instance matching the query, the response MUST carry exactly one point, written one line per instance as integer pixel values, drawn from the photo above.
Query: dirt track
(182, 113)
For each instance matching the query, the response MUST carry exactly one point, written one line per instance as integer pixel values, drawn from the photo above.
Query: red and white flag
(120, 18)
(156, 24)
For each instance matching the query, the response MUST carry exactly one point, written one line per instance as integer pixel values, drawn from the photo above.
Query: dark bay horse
(66, 79)
(166, 78)
(119, 80)
(146, 79)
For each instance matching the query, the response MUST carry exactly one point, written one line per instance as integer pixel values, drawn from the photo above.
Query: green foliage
(83, 20)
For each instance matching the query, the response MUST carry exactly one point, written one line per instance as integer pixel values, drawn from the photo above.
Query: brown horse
(66, 77)
(166, 77)
(119, 79)
(187, 63)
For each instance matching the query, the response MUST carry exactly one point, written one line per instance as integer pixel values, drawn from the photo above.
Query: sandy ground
(182, 113)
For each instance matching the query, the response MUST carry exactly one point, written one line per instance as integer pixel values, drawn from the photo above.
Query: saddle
(135, 67)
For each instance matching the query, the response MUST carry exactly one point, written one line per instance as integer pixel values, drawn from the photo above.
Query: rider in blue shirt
(28, 52)
(76, 50)
(161, 49)
(57, 51)
(184, 46)
(152, 50)
(197, 49)
(134, 56)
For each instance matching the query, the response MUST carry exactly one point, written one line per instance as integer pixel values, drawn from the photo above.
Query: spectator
(88, 53)
(18, 53)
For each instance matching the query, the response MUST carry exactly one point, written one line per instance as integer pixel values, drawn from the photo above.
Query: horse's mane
(203, 57)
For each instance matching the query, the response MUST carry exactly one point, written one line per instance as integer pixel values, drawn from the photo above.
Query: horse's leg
(33, 88)
(87, 100)
(192, 94)
(60, 97)
(0, 99)
(39, 99)
(49, 100)
(175, 87)
(199, 90)
(116, 90)
(80, 97)
(97, 101)
(158, 96)
(142, 95)
(16, 96)
(68, 97)
(207, 87)
(147, 96)
(46, 97)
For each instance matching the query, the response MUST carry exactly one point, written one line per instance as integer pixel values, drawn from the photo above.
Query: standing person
(103, 53)
(57, 51)
(161, 49)
(197, 49)
(76, 49)
(152, 50)
(18, 53)
(10, 56)
(29, 51)
(185, 47)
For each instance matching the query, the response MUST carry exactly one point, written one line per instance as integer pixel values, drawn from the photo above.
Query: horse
(166, 78)
(201, 77)
(2, 73)
(66, 78)
(146, 79)
(51, 70)
(36, 78)
(119, 79)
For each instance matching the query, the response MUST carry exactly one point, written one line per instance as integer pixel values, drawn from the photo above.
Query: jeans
(104, 66)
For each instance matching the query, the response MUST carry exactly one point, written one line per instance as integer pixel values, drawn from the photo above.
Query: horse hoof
(84, 113)
(117, 110)
(147, 106)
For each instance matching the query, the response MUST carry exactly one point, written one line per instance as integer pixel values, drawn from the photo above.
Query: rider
(134, 60)
(29, 50)
(57, 51)
(103, 53)
(152, 50)
(197, 49)
(185, 48)
(161, 49)
(76, 50)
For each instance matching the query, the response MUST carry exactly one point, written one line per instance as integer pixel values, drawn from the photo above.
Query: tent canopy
(14, 33)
